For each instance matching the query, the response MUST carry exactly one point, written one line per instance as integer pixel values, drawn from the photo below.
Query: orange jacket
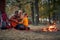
(25, 21)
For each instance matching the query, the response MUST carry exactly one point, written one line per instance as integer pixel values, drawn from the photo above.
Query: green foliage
(22, 4)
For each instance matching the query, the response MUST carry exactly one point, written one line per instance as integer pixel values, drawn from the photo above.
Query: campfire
(50, 28)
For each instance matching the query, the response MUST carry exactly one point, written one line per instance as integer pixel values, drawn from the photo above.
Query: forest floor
(35, 34)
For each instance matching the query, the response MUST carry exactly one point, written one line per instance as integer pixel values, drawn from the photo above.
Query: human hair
(16, 12)
(26, 14)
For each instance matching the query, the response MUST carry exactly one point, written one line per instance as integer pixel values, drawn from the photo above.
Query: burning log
(51, 28)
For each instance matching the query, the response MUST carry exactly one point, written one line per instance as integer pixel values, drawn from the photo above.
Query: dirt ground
(12, 34)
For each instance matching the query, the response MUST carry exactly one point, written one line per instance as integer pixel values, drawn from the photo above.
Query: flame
(51, 28)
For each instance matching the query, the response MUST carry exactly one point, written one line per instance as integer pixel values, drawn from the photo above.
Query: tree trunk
(2, 5)
(54, 15)
(49, 11)
(32, 9)
(37, 11)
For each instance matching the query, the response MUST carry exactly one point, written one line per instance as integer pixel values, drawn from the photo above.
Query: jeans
(20, 27)
(3, 25)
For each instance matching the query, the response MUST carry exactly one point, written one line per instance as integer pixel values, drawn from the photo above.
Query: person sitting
(25, 21)
(20, 20)
(14, 19)
(20, 25)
